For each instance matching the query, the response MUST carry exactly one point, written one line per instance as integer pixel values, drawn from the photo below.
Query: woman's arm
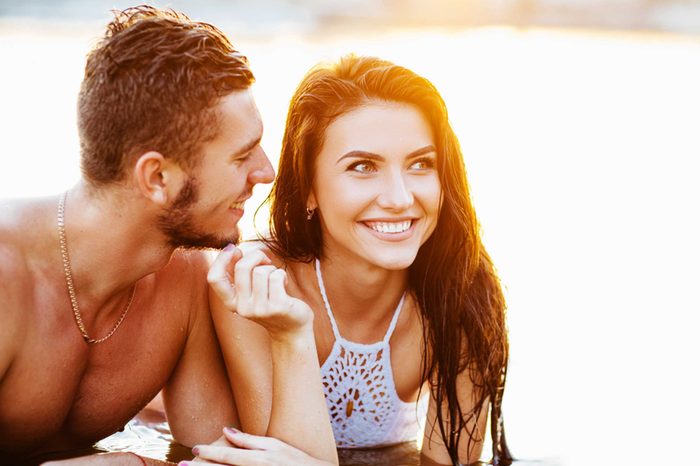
(270, 353)
(434, 450)
(246, 349)
(244, 449)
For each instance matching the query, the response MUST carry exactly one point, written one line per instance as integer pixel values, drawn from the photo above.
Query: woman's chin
(395, 262)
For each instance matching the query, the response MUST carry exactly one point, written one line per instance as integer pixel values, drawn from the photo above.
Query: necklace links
(69, 280)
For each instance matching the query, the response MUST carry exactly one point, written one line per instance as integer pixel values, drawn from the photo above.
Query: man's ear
(158, 178)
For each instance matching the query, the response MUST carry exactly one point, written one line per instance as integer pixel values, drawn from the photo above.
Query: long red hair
(453, 279)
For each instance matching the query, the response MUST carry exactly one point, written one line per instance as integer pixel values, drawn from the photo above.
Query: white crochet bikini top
(358, 382)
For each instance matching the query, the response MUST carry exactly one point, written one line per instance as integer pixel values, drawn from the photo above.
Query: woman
(371, 219)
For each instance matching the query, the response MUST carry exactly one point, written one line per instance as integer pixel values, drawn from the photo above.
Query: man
(100, 310)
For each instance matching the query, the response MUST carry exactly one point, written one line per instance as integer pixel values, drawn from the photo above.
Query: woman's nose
(396, 194)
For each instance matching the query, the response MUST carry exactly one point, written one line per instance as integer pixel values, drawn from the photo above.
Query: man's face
(207, 209)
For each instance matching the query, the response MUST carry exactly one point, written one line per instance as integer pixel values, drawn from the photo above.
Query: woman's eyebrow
(372, 156)
(423, 150)
(360, 154)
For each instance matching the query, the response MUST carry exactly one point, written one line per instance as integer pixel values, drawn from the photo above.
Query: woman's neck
(359, 289)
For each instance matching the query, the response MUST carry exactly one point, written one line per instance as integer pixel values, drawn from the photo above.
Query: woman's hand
(251, 450)
(253, 288)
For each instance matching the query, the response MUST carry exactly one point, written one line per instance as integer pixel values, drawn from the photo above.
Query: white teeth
(390, 227)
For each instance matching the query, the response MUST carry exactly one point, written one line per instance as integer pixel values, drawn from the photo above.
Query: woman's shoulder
(265, 247)
(300, 274)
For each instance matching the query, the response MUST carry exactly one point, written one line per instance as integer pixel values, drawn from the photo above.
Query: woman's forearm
(299, 414)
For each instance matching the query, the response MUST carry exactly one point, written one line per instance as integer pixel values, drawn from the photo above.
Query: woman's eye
(423, 164)
(362, 167)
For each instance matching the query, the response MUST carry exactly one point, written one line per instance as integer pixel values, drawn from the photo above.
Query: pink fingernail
(232, 430)
(229, 247)
(195, 451)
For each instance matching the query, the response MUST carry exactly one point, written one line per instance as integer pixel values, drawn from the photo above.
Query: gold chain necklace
(69, 280)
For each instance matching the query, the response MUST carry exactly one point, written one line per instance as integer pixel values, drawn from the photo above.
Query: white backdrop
(582, 151)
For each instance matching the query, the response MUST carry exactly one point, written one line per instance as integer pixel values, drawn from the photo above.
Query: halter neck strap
(336, 332)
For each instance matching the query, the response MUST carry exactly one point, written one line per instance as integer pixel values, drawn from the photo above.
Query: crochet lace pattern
(364, 407)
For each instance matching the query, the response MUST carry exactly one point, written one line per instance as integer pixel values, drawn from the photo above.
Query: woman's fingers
(252, 450)
(225, 455)
(199, 462)
(277, 292)
(243, 274)
(297, 310)
(260, 291)
(219, 277)
(251, 442)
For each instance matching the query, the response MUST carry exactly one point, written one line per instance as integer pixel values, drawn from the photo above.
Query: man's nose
(397, 194)
(262, 171)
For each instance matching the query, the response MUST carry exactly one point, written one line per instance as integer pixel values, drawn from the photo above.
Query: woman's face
(376, 185)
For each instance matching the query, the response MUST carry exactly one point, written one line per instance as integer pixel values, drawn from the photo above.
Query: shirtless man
(100, 307)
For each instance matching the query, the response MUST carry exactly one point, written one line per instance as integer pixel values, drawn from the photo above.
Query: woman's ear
(311, 203)
(158, 178)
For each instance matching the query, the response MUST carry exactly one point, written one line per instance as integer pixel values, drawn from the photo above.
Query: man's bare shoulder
(21, 224)
(189, 264)
(23, 232)
(23, 221)
(184, 280)
(12, 275)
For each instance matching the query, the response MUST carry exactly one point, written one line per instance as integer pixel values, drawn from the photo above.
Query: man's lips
(240, 203)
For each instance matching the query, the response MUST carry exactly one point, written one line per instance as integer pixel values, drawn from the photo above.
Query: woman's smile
(376, 186)
(386, 230)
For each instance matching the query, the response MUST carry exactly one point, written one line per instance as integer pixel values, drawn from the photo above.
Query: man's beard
(179, 226)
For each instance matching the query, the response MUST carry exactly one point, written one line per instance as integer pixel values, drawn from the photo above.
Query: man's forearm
(109, 459)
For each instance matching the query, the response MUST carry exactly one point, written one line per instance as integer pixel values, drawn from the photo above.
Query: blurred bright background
(579, 123)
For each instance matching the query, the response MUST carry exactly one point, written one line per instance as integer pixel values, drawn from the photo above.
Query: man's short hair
(152, 83)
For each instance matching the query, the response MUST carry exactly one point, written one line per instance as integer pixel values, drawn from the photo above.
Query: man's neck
(112, 242)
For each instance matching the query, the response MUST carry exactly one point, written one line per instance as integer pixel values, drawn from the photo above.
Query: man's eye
(362, 167)
(242, 158)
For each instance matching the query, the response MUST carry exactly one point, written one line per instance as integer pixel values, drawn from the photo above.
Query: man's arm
(109, 459)
(8, 336)
(11, 328)
(198, 400)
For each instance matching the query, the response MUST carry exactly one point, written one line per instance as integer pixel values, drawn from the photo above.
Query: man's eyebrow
(247, 148)
(371, 155)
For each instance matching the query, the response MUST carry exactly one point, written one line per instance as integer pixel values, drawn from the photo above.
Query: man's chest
(60, 391)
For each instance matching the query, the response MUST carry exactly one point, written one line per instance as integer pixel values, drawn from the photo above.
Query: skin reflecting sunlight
(582, 154)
